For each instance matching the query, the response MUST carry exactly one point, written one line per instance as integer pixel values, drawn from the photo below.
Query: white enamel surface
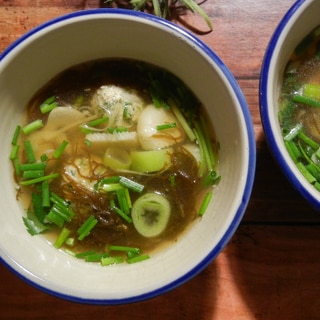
(34, 61)
(300, 20)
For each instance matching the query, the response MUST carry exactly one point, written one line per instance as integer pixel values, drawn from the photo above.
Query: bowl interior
(299, 21)
(70, 40)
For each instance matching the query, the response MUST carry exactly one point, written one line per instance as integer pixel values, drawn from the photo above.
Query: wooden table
(271, 267)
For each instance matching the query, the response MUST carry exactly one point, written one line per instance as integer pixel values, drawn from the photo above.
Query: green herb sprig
(163, 8)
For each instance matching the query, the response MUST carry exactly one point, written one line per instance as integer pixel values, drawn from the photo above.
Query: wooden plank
(266, 272)
(270, 269)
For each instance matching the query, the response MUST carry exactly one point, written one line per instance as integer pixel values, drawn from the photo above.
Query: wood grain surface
(270, 270)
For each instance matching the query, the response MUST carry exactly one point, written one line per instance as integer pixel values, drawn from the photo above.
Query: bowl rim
(250, 136)
(280, 158)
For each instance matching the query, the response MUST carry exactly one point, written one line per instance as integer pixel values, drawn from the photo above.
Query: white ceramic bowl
(298, 22)
(87, 35)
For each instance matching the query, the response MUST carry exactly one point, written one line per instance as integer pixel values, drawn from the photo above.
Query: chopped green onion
(33, 166)
(314, 145)
(38, 207)
(45, 192)
(60, 149)
(110, 187)
(32, 174)
(16, 134)
(16, 165)
(97, 122)
(64, 234)
(70, 242)
(166, 126)
(32, 126)
(182, 120)
(58, 200)
(306, 100)
(107, 261)
(132, 185)
(128, 198)
(86, 227)
(82, 255)
(314, 170)
(29, 151)
(310, 178)
(293, 132)
(89, 127)
(208, 143)
(211, 178)
(205, 203)
(112, 179)
(55, 218)
(172, 180)
(36, 180)
(311, 91)
(122, 214)
(44, 158)
(205, 147)
(124, 248)
(123, 200)
(149, 161)
(61, 212)
(96, 257)
(14, 152)
(150, 214)
(48, 105)
(131, 254)
(138, 258)
(293, 150)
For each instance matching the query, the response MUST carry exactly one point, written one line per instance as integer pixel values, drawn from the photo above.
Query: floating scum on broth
(299, 113)
(113, 159)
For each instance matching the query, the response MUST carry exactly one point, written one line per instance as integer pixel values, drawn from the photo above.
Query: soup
(299, 107)
(113, 160)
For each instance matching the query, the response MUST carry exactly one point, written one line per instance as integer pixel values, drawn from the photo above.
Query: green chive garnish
(205, 203)
(29, 151)
(32, 126)
(60, 149)
(87, 226)
(124, 249)
(111, 260)
(132, 185)
(36, 180)
(166, 126)
(138, 258)
(64, 234)
(16, 135)
(48, 105)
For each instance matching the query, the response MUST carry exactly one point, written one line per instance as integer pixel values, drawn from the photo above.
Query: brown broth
(75, 87)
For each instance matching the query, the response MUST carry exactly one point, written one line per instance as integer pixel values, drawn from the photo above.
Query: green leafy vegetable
(33, 225)
(64, 234)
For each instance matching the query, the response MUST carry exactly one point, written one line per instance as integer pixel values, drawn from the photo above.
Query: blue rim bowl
(92, 34)
(298, 22)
